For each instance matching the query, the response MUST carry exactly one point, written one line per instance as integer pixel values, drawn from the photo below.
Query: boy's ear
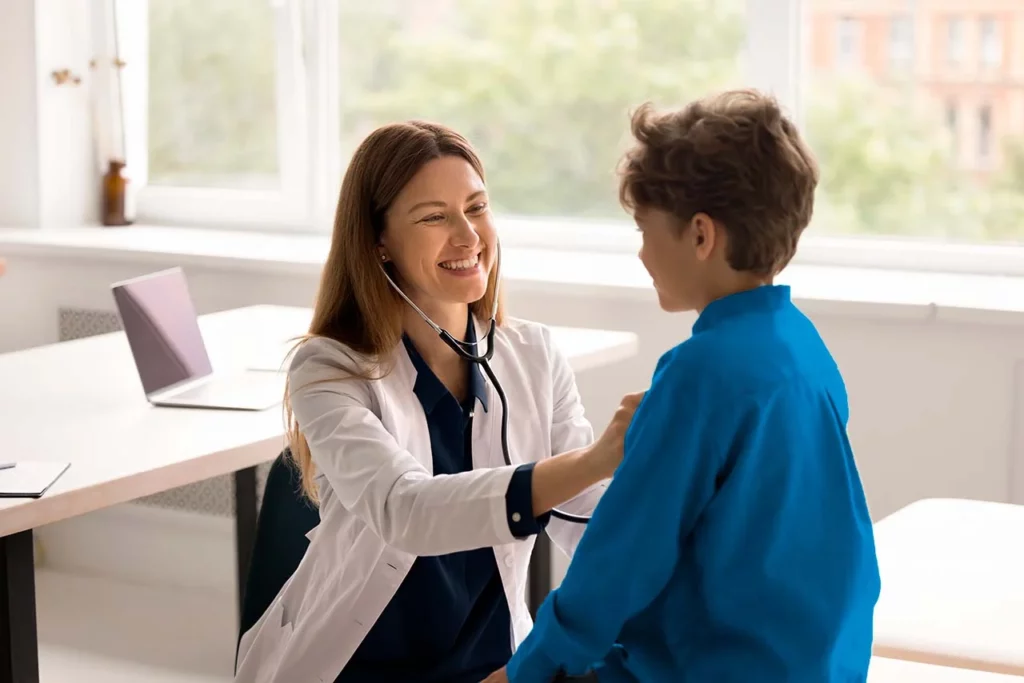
(703, 233)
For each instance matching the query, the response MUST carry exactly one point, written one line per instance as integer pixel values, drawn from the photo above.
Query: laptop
(160, 322)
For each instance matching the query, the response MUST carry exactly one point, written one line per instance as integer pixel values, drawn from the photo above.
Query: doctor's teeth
(461, 264)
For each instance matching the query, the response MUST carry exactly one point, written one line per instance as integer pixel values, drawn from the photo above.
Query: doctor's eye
(477, 209)
(432, 218)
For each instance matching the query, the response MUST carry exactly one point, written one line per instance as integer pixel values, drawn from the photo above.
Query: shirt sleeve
(631, 546)
(519, 504)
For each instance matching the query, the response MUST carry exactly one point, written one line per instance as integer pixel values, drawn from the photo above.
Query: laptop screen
(163, 332)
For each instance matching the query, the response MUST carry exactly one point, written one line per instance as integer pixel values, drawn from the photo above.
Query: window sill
(819, 289)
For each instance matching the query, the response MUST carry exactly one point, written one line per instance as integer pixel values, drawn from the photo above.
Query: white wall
(934, 409)
(48, 174)
(932, 403)
(69, 188)
(19, 163)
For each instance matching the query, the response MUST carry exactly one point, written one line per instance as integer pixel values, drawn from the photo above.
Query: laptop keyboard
(249, 386)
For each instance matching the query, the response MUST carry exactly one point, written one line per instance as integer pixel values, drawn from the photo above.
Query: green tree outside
(212, 93)
(544, 89)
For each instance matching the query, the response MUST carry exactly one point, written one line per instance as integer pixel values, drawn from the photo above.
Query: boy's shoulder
(730, 363)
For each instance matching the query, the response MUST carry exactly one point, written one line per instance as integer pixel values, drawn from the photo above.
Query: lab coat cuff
(519, 504)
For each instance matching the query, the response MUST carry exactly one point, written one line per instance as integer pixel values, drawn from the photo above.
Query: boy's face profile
(677, 257)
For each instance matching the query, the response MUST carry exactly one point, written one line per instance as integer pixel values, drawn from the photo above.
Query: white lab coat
(381, 507)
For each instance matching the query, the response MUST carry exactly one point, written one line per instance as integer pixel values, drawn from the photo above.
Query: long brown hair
(355, 305)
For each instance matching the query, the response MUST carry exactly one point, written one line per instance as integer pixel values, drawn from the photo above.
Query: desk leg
(540, 572)
(245, 526)
(19, 639)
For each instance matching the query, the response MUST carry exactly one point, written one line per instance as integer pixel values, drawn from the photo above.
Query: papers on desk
(30, 479)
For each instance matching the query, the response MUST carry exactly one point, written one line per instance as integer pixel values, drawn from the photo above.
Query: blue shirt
(449, 621)
(734, 542)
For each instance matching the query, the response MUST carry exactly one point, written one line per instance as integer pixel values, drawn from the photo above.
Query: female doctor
(417, 570)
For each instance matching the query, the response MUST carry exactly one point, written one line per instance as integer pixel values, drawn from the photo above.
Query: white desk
(81, 401)
(885, 670)
(952, 585)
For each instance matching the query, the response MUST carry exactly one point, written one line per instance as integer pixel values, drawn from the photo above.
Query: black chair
(285, 517)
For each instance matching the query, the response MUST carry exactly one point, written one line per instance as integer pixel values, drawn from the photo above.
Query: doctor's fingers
(632, 400)
(624, 414)
(499, 676)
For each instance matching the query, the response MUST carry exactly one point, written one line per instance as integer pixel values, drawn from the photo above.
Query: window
(212, 110)
(848, 43)
(991, 43)
(901, 42)
(956, 45)
(216, 117)
(542, 88)
(243, 113)
(984, 134)
(899, 157)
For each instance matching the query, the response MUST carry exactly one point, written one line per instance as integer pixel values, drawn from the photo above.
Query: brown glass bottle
(115, 192)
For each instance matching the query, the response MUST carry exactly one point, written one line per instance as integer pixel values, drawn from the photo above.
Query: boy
(734, 543)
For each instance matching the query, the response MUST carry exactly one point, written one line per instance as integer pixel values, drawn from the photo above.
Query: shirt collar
(766, 297)
(429, 389)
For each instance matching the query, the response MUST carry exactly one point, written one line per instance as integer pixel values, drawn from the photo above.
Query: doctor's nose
(464, 233)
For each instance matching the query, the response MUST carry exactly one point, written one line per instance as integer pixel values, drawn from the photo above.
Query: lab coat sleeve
(631, 546)
(379, 481)
(570, 429)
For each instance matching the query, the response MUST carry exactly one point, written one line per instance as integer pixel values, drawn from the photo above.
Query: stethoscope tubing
(483, 360)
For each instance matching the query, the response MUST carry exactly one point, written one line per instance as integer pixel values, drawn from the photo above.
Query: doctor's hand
(608, 448)
(499, 676)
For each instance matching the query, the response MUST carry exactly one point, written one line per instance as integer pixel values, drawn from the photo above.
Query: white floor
(100, 631)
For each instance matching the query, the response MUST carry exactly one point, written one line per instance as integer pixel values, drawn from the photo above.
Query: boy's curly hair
(735, 157)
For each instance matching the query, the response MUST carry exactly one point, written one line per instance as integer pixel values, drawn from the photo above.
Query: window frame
(311, 163)
(306, 169)
(990, 42)
(902, 42)
(956, 40)
(849, 28)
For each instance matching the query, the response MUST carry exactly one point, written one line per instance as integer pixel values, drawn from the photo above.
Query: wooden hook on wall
(65, 77)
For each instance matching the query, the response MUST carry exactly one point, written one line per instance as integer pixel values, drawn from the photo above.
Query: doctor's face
(439, 235)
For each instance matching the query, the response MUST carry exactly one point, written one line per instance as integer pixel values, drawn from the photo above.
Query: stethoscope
(464, 349)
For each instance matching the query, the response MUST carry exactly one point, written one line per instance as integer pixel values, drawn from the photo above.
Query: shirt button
(509, 560)
(516, 517)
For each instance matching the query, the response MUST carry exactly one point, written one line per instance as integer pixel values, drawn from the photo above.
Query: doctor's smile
(463, 267)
